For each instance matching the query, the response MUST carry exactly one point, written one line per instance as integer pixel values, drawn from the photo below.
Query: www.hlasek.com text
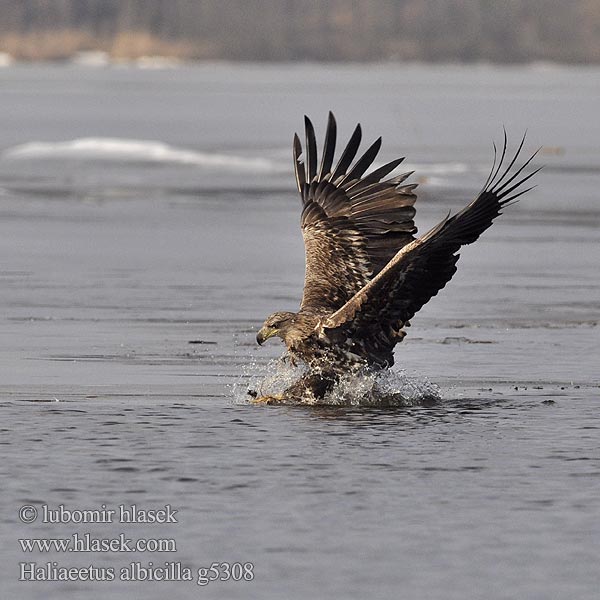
(86, 542)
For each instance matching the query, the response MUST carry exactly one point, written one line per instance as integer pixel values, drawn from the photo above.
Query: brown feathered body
(366, 273)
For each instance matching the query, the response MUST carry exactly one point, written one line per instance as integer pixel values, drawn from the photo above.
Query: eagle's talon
(288, 359)
(270, 399)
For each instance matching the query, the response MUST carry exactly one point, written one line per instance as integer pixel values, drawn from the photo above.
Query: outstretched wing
(373, 317)
(352, 223)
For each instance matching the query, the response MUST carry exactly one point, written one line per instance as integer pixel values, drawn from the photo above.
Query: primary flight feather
(366, 272)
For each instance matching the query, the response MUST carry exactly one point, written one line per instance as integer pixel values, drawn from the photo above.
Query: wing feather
(375, 176)
(348, 154)
(362, 164)
(328, 147)
(311, 150)
(298, 164)
(352, 225)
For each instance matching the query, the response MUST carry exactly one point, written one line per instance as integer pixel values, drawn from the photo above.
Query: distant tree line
(284, 30)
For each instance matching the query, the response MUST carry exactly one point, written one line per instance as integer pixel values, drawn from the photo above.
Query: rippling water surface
(148, 224)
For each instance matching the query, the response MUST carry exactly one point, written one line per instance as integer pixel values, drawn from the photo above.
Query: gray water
(148, 225)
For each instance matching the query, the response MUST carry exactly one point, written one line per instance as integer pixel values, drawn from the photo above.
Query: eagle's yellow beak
(264, 334)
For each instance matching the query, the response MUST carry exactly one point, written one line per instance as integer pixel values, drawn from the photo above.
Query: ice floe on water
(132, 150)
(6, 60)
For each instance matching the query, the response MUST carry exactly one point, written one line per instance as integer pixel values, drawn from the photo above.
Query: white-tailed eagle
(366, 273)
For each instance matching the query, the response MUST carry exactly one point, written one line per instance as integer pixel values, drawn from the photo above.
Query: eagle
(367, 274)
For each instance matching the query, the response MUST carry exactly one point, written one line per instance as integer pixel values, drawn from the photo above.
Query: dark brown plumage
(366, 274)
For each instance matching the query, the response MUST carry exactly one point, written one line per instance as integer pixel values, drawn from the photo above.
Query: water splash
(383, 389)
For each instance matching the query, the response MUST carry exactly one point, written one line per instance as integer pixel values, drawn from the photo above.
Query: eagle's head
(278, 324)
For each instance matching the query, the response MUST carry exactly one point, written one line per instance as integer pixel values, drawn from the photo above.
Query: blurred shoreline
(156, 60)
(284, 31)
(88, 47)
(80, 46)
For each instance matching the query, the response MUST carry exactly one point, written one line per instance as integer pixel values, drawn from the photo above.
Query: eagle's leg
(310, 387)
